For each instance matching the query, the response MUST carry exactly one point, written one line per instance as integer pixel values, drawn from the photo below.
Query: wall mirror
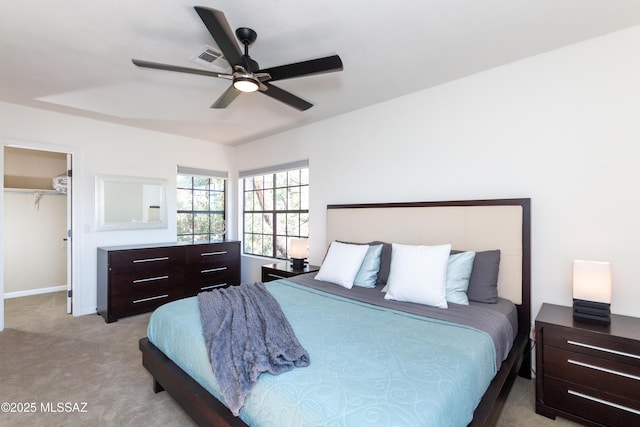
(129, 203)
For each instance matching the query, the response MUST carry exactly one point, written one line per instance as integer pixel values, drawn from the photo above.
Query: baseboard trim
(35, 292)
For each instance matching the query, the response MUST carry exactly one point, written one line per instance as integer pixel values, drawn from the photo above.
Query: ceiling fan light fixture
(245, 84)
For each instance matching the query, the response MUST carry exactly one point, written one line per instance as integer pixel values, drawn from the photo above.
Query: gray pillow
(483, 284)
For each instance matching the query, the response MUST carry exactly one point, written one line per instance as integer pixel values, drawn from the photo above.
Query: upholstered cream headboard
(467, 225)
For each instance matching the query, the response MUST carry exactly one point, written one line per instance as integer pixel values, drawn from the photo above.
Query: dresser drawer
(146, 259)
(215, 254)
(606, 375)
(132, 281)
(210, 278)
(591, 404)
(143, 300)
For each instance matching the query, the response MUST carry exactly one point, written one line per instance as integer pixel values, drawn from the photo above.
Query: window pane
(304, 198)
(200, 223)
(268, 200)
(293, 198)
(257, 223)
(200, 182)
(184, 200)
(268, 181)
(281, 179)
(200, 200)
(217, 184)
(217, 225)
(183, 181)
(293, 224)
(281, 224)
(217, 201)
(293, 178)
(304, 176)
(281, 199)
(281, 247)
(184, 223)
(304, 225)
(258, 197)
(248, 201)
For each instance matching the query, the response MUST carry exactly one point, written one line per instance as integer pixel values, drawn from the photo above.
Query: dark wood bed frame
(206, 410)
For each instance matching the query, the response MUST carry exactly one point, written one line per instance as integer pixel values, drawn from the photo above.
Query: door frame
(72, 216)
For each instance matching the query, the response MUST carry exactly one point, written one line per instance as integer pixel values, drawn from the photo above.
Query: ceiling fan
(247, 75)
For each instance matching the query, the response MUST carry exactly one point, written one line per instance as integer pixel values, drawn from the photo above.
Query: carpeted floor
(60, 370)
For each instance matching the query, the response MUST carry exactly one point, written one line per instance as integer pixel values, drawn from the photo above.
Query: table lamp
(592, 291)
(298, 253)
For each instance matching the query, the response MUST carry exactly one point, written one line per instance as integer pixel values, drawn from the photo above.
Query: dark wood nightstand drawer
(591, 404)
(132, 281)
(608, 376)
(146, 259)
(599, 345)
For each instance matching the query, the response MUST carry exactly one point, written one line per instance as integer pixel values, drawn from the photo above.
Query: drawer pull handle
(276, 276)
(162, 258)
(607, 350)
(150, 279)
(204, 288)
(150, 298)
(213, 253)
(211, 270)
(600, 368)
(604, 402)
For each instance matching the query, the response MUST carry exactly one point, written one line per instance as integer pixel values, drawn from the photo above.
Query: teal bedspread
(370, 366)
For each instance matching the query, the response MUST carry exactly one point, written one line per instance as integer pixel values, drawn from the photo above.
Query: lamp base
(596, 312)
(297, 263)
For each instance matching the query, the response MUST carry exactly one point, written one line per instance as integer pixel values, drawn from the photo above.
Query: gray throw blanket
(246, 333)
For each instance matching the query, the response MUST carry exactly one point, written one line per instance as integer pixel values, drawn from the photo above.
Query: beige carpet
(80, 371)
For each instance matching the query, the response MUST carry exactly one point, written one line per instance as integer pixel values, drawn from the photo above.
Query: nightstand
(587, 372)
(282, 270)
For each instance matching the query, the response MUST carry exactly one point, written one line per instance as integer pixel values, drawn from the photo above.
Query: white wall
(562, 128)
(105, 148)
(34, 255)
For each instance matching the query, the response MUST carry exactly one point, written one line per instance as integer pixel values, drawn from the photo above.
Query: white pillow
(418, 274)
(342, 263)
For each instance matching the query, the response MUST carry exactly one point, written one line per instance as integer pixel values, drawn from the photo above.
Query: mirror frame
(101, 224)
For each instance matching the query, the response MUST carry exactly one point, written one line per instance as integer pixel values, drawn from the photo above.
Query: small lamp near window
(592, 291)
(298, 253)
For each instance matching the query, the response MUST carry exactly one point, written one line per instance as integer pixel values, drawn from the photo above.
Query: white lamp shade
(592, 281)
(298, 249)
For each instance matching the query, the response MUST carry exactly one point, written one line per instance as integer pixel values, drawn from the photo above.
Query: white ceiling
(74, 56)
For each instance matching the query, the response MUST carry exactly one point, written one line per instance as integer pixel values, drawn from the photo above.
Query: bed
(340, 386)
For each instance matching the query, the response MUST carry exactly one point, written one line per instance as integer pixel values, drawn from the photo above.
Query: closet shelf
(32, 191)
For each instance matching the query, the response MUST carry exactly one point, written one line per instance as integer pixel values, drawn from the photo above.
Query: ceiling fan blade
(159, 66)
(221, 31)
(226, 98)
(285, 97)
(314, 66)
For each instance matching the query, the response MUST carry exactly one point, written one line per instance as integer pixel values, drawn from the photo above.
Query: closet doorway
(37, 223)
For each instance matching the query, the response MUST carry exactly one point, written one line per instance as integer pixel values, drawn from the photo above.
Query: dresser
(587, 372)
(136, 279)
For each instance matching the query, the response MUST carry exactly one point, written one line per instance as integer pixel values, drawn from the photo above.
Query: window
(201, 210)
(276, 208)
